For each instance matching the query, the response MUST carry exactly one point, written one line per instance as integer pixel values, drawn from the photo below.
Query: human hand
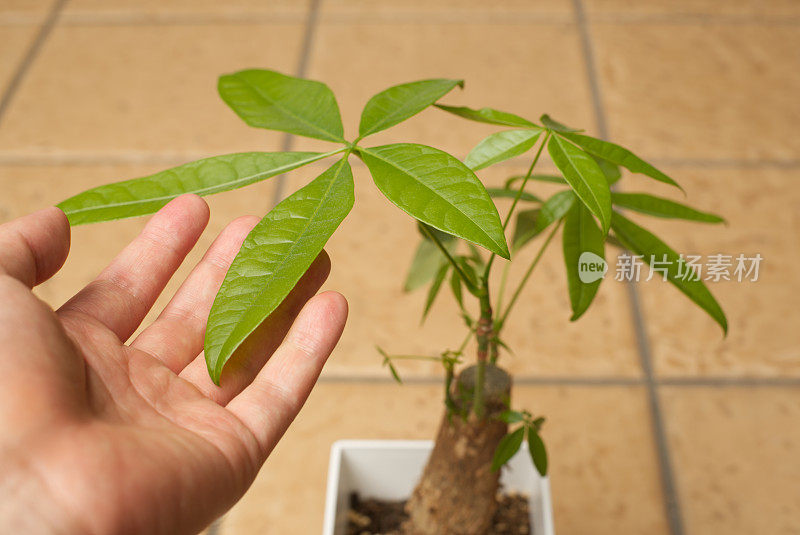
(100, 437)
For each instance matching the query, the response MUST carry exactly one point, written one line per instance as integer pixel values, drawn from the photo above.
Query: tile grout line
(671, 500)
(44, 32)
(302, 67)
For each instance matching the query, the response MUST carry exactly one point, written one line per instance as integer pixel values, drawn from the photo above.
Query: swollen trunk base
(457, 494)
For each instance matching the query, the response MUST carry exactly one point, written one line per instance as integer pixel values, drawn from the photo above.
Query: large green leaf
(435, 188)
(272, 259)
(507, 447)
(268, 99)
(651, 248)
(584, 176)
(618, 155)
(146, 195)
(426, 263)
(487, 115)
(501, 146)
(583, 246)
(398, 103)
(660, 207)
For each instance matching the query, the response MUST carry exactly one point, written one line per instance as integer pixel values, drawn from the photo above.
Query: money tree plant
(462, 231)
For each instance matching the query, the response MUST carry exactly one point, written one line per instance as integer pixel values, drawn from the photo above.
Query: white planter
(389, 470)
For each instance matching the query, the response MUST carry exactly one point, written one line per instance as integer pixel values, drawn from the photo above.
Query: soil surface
(376, 517)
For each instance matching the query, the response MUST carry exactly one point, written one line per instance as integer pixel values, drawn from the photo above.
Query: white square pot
(390, 469)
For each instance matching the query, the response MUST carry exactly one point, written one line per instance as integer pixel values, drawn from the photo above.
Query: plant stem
(525, 278)
(517, 198)
(450, 258)
(483, 333)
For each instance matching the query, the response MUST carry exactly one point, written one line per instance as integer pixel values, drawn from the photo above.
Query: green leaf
(511, 417)
(146, 195)
(508, 446)
(538, 452)
(501, 146)
(530, 225)
(387, 361)
(583, 244)
(455, 287)
(505, 193)
(620, 156)
(487, 115)
(643, 243)
(610, 170)
(398, 103)
(435, 188)
(552, 179)
(660, 207)
(268, 99)
(551, 124)
(584, 177)
(427, 261)
(272, 259)
(434, 289)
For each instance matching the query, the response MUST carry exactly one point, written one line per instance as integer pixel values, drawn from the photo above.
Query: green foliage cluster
(455, 213)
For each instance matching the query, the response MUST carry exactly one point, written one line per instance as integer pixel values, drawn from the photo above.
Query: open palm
(100, 437)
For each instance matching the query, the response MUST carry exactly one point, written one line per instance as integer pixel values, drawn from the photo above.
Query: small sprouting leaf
(507, 447)
(660, 207)
(269, 99)
(272, 259)
(552, 179)
(398, 103)
(146, 195)
(505, 193)
(428, 259)
(436, 188)
(487, 115)
(620, 156)
(584, 177)
(501, 146)
(537, 450)
(511, 417)
(583, 244)
(554, 125)
(651, 248)
(434, 289)
(387, 361)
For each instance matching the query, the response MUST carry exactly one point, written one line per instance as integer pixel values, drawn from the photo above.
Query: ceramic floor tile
(16, 40)
(159, 10)
(93, 246)
(714, 92)
(762, 207)
(603, 469)
(131, 90)
(534, 69)
(24, 11)
(711, 8)
(736, 454)
(370, 255)
(444, 10)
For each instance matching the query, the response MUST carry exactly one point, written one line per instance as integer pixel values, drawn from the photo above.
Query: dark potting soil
(376, 517)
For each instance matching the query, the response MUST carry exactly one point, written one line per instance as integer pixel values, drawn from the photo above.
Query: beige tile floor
(656, 424)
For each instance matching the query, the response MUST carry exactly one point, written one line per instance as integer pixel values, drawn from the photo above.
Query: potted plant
(457, 218)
